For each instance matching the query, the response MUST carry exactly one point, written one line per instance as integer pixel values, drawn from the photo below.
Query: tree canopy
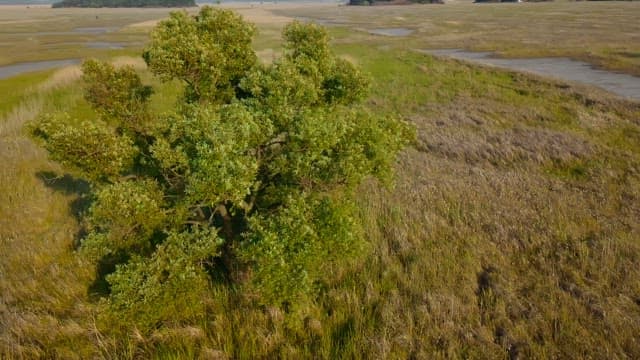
(249, 179)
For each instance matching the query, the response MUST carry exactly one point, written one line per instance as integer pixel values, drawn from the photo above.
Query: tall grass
(44, 308)
(512, 232)
(41, 281)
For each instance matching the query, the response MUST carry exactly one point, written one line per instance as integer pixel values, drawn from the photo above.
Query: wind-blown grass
(40, 277)
(512, 231)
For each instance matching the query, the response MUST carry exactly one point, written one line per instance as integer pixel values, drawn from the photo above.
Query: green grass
(41, 280)
(16, 88)
(512, 229)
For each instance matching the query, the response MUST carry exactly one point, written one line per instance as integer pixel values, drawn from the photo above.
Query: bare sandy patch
(350, 59)
(144, 24)
(267, 56)
(263, 16)
(260, 14)
(135, 62)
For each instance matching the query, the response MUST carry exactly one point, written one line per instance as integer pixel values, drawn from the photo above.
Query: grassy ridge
(512, 231)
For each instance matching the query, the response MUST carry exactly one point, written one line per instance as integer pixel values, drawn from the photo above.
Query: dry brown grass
(136, 62)
(512, 231)
(61, 78)
(45, 310)
(42, 283)
(492, 245)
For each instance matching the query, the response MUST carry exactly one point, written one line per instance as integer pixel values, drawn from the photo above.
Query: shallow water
(104, 45)
(561, 68)
(392, 32)
(8, 71)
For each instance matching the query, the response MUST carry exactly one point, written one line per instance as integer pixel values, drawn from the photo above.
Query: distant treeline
(124, 3)
(394, 2)
(407, 2)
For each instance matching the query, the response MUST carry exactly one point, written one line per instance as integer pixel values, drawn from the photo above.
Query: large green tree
(249, 179)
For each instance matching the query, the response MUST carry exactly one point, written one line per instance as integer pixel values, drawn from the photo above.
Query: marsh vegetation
(511, 232)
(559, 68)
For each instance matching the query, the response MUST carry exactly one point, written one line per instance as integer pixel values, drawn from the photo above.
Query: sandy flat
(14, 22)
(24, 6)
(254, 13)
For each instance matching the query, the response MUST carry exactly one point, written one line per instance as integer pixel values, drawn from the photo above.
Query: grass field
(513, 230)
(603, 33)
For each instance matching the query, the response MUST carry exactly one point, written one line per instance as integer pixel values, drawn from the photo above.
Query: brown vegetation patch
(508, 146)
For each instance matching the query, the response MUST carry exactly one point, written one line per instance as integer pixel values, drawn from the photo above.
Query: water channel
(8, 71)
(625, 85)
(561, 68)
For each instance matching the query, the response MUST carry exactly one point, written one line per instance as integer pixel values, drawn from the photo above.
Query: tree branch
(227, 226)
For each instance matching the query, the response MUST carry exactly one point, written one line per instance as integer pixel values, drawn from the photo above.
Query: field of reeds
(512, 231)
